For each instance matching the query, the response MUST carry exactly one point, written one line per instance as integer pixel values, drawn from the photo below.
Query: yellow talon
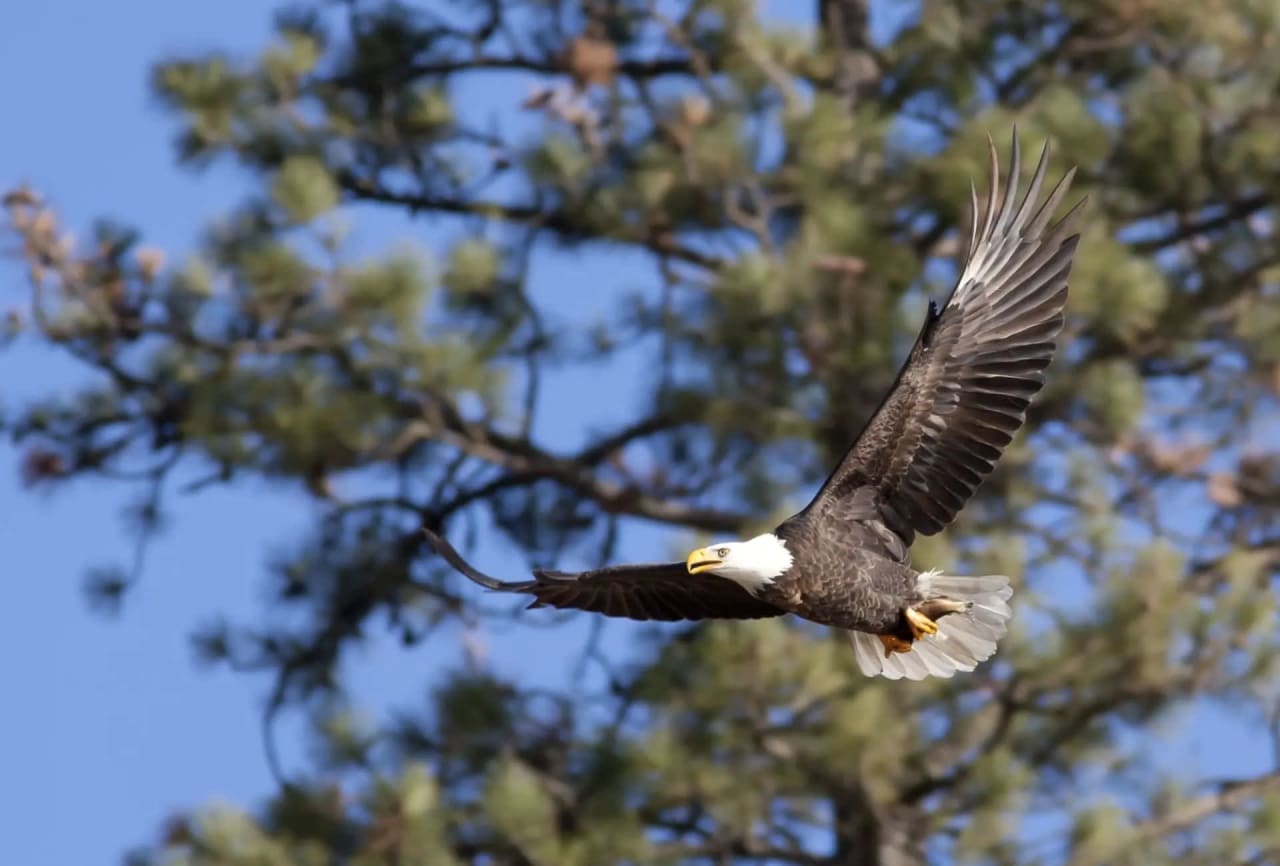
(920, 624)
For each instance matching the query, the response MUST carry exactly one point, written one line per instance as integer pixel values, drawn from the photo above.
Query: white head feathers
(752, 564)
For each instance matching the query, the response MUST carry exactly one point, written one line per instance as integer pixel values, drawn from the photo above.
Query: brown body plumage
(843, 561)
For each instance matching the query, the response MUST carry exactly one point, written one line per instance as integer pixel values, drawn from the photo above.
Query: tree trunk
(843, 25)
(866, 837)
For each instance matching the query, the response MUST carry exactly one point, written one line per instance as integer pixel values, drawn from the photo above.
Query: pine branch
(660, 243)
(1226, 797)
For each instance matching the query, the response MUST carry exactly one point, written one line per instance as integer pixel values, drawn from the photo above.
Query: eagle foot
(894, 644)
(919, 624)
(936, 608)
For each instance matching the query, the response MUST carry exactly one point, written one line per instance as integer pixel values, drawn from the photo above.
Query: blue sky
(109, 722)
(114, 723)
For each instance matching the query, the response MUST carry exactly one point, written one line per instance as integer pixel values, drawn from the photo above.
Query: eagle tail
(965, 637)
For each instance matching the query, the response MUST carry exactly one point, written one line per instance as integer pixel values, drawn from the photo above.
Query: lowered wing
(664, 591)
(964, 390)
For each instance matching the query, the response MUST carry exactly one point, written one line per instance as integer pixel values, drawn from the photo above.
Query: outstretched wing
(964, 390)
(664, 591)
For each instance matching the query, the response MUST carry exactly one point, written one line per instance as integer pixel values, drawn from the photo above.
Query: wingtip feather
(993, 189)
(1007, 210)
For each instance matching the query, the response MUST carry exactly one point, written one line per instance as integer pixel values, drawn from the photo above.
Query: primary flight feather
(844, 560)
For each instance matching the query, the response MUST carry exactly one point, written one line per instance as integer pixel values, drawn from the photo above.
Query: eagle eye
(722, 552)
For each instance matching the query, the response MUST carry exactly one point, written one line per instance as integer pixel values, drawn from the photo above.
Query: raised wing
(964, 390)
(664, 591)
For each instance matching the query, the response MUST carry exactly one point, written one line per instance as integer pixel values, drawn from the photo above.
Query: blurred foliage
(796, 194)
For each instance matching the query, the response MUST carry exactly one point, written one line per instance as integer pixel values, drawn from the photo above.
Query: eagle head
(753, 564)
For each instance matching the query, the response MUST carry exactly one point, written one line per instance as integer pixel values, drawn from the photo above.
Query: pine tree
(794, 195)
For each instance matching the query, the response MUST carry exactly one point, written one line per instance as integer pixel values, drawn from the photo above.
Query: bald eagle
(844, 560)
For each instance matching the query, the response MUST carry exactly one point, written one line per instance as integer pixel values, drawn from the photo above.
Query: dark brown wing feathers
(664, 591)
(964, 390)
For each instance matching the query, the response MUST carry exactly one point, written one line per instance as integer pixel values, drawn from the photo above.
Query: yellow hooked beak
(702, 559)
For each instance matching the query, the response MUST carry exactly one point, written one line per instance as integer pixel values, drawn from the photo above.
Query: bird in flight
(844, 560)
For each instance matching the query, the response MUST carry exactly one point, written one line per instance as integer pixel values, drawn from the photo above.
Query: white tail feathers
(964, 638)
